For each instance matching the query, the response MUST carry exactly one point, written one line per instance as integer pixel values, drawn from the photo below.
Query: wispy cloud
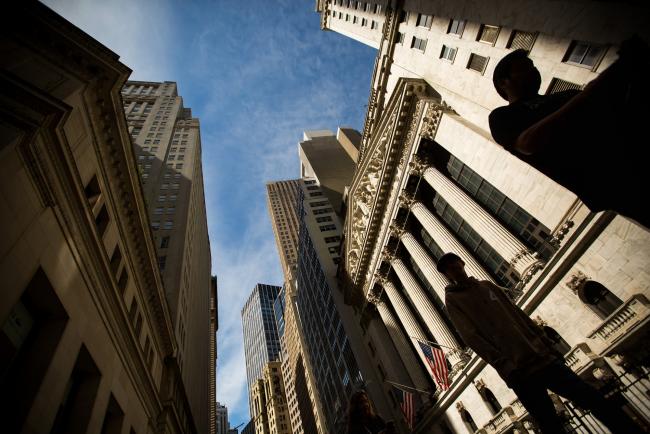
(256, 73)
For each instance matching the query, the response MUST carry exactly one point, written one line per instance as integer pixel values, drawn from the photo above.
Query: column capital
(406, 199)
(374, 296)
(387, 254)
(418, 165)
(397, 230)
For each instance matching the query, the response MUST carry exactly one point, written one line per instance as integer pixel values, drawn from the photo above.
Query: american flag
(437, 364)
(405, 400)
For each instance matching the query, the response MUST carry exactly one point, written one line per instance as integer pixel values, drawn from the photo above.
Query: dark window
(468, 420)
(79, 396)
(122, 282)
(598, 298)
(456, 27)
(419, 44)
(477, 62)
(114, 418)
(559, 85)
(585, 54)
(116, 258)
(425, 20)
(102, 220)
(29, 337)
(164, 242)
(521, 40)
(92, 191)
(448, 53)
(488, 34)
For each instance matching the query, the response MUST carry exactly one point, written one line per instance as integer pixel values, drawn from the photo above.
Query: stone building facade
(430, 179)
(88, 341)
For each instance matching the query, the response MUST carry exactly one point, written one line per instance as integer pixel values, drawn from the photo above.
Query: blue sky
(256, 73)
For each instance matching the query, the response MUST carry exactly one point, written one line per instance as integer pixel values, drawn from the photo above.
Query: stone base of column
(464, 357)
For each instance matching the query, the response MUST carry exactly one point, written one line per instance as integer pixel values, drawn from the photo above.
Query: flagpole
(428, 392)
(434, 343)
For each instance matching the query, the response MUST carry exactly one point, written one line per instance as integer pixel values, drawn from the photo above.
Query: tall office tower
(430, 180)
(167, 143)
(86, 338)
(222, 424)
(330, 159)
(261, 342)
(281, 198)
(270, 411)
(212, 374)
(337, 353)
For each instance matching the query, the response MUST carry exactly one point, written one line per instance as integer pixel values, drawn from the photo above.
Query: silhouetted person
(362, 419)
(519, 350)
(591, 141)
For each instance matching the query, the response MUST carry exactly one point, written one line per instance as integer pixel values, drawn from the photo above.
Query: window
(179, 165)
(354, 19)
(333, 249)
(424, 20)
(172, 198)
(347, 17)
(585, 54)
(171, 210)
(164, 186)
(162, 198)
(175, 186)
(477, 62)
(321, 203)
(326, 228)
(521, 40)
(169, 224)
(315, 193)
(448, 53)
(598, 298)
(158, 210)
(334, 239)
(456, 27)
(488, 34)
(419, 44)
(323, 219)
(171, 157)
(323, 211)
(364, 22)
(154, 148)
(155, 226)
(162, 260)
(374, 24)
(400, 38)
(559, 85)
(164, 242)
(181, 156)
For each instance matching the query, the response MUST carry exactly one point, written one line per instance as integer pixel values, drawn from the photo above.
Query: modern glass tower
(261, 340)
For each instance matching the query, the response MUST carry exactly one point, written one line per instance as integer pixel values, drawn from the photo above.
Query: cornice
(379, 175)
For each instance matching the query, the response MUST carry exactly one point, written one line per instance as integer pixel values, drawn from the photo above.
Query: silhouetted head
(515, 77)
(360, 406)
(452, 267)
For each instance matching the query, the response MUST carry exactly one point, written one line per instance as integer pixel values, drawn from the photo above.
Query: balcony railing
(631, 314)
(501, 422)
(579, 357)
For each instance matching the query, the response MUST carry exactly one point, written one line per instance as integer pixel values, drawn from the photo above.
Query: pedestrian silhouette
(590, 141)
(520, 351)
(362, 418)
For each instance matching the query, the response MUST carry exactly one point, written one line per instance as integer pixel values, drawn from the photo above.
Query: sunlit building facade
(430, 179)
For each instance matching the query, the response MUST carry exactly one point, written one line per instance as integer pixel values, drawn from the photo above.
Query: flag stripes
(437, 363)
(405, 400)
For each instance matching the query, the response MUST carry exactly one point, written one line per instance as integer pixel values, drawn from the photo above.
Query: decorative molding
(560, 234)
(576, 279)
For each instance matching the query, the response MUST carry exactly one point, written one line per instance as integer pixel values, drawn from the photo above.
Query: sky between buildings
(256, 74)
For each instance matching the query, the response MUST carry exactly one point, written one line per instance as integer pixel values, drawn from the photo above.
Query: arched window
(488, 397)
(598, 298)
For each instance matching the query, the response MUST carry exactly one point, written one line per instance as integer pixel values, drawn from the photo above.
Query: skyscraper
(430, 179)
(261, 341)
(281, 198)
(167, 145)
(214, 326)
(222, 423)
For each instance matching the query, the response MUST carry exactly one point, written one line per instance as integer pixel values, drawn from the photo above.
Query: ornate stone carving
(576, 280)
(560, 233)
(479, 384)
(417, 165)
(460, 406)
(406, 199)
(432, 118)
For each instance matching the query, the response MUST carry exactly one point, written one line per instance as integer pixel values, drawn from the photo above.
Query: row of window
(364, 22)
(359, 5)
(579, 52)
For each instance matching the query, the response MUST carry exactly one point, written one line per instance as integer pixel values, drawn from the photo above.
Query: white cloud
(126, 28)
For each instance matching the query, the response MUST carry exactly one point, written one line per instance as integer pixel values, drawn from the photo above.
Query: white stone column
(429, 313)
(494, 233)
(437, 280)
(413, 368)
(408, 320)
(446, 240)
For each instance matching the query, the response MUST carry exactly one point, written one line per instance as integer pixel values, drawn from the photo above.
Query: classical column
(429, 313)
(413, 368)
(488, 228)
(406, 317)
(444, 238)
(438, 281)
